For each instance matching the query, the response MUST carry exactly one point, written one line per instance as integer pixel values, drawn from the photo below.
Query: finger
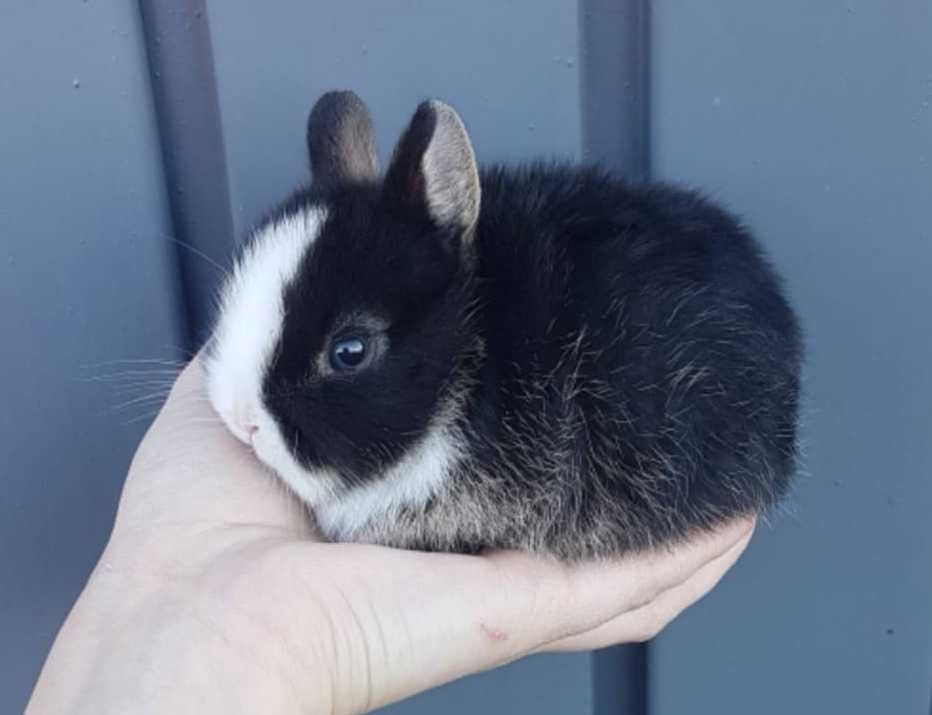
(475, 613)
(645, 622)
(188, 433)
(185, 412)
(190, 468)
(584, 597)
(419, 620)
(188, 391)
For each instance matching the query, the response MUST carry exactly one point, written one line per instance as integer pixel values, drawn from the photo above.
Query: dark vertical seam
(615, 85)
(645, 48)
(184, 91)
(615, 53)
(180, 313)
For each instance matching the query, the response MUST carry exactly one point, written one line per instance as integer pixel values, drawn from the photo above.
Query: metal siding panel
(619, 680)
(511, 69)
(185, 95)
(85, 277)
(538, 685)
(615, 49)
(814, 120)
(615, 45)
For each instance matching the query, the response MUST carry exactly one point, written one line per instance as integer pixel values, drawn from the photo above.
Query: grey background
(127, 129)
(814, 119)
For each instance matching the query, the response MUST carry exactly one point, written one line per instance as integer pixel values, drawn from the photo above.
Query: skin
(214, 596)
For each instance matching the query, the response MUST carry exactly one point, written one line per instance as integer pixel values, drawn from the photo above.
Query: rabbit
(539, 357)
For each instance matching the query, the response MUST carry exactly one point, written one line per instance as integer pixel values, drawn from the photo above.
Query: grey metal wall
(814, 119)
(86, 278)
(126, 130)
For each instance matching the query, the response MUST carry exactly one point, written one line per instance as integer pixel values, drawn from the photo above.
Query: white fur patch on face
(249, 328)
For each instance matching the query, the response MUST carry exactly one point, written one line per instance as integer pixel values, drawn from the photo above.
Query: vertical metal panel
(619, 680)
(615, 104)
(539, 685)
(814, 119)
(615, 48)
(185, 94)
(511, 69)
(85, 278)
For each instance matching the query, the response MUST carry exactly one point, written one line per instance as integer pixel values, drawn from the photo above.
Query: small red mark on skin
(493, 633)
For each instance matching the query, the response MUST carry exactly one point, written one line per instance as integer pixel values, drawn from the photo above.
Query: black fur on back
(617, 363)
(637, 334)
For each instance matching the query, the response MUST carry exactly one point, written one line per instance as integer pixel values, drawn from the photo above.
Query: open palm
(298, 625)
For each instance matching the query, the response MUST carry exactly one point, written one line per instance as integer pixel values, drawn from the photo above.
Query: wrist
(144, 637)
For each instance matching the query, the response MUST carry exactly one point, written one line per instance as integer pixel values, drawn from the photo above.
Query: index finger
(582, 597)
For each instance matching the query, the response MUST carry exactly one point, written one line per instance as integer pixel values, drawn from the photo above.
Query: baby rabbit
(539, 357)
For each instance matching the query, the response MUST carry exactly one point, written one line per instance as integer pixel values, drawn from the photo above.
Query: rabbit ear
(434, 170)
(339, 140)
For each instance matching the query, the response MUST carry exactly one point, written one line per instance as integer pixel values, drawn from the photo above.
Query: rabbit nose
(251, 430)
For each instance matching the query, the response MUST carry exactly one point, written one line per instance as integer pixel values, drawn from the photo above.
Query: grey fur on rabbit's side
(539, 357)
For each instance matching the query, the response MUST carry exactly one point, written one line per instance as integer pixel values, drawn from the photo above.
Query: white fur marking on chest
(412, 481)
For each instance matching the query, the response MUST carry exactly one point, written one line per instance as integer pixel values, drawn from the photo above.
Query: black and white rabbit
(542, 357)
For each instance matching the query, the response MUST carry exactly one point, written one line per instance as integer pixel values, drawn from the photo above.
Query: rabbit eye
(348, 353)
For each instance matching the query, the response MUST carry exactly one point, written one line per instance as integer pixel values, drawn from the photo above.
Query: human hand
(214, 595)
